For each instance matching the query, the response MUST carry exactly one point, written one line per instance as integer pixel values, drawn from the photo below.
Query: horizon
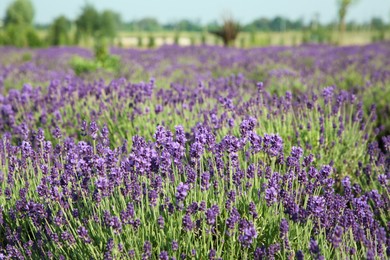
(245, 11)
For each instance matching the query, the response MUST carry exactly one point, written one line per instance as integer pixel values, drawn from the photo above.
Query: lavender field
(196, 153)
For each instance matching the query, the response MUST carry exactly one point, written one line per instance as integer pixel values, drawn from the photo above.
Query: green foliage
(378, 36)
(16, 35)
(21, 36)
(82, 66)
(103, 60)
(18, 26)
(377, 23)
(147, 24)
(88, 23)
(3, 39)
(110, 22)
(319, 35)
(101, 50)
(184, 25)
(59, 31)
(380, 96)
(176, 38)
(253, 37)
(203, 39)
(33, 39)
(93, 24)
(277, 24)
(19, 12)
(139, 41)
(151, 42)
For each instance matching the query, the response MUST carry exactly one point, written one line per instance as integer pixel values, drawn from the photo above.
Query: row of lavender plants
(197, 163)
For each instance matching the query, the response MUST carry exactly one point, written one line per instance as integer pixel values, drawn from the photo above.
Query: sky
(210, 10)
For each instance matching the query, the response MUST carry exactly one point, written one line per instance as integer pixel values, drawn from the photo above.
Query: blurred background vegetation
(18, 29)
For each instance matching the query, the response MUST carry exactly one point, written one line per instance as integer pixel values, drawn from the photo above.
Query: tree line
(19, 30)
(276, 24)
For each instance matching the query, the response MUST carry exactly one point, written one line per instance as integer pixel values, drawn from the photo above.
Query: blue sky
(209, 10)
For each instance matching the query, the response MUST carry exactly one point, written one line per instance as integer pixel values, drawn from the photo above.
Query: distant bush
(319, 35)
(3, 39)
(102, 60)
(82, 66)
(59, 31)
(33, 39)
(139, 41)
(151, 42)
(176, 39)
(203, 39)
(20, 36)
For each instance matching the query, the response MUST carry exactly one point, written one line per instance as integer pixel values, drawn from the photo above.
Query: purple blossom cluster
(208, 168)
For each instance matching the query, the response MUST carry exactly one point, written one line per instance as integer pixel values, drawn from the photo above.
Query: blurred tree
(343, 6)
(19, 12)
(297, 25)
(176, 38)
(148, 24)
(261, 24)
(189, 26)
(212, 26)
(377, 23)
(203, 39)
(351, 26)
(88, 22)
(18, 22)
(110, 22)
(139, 41)
(228, 32)
(33, 38)
(59, 31)
(277, 24)
(91, 23)
(101, 49)
(151, 41)
(15, 35)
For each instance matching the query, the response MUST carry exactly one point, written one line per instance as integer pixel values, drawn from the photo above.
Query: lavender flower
(187, 223)
(283, 228)
(181, 191)
(211, 214)
(249, 233)
(175, 245)
(271, 195)
(164, 255)
(314, 248)
(337, 236)
(316, 204)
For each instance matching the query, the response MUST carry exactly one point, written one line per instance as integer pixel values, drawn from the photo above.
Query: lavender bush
(196, 153)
